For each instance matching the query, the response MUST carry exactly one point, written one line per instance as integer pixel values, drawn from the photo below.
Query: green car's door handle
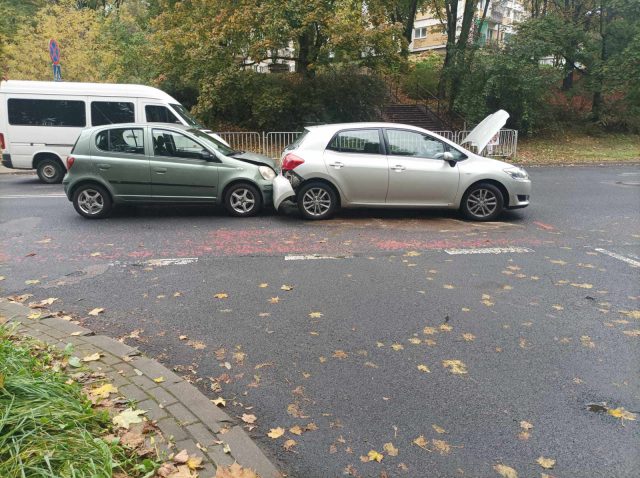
(103, 167)
(160, 170)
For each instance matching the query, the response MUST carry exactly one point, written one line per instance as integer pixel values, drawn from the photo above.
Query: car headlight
(517, 173)
(267, 173)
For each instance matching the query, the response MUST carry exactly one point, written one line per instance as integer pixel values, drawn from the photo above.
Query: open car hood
(488, 127)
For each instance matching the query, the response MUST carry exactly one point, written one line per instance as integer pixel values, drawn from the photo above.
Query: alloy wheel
(91, 202)
(316, 201)
(482, 202)
(242, 200)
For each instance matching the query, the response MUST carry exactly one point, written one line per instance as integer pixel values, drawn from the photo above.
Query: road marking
(620, 257)
(489, 250)
(27, 196)
(175, 261)
(313, 257)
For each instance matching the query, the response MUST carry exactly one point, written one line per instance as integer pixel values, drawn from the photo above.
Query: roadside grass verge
(48, 427)
(576, 148)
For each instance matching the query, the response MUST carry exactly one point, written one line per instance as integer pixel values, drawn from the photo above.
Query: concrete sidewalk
(187, 419)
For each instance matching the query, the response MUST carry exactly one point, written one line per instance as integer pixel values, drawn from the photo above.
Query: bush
(287, 102)
(424, 75)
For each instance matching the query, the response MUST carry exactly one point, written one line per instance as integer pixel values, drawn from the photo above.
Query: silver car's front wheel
(482, 202)
(317, 201)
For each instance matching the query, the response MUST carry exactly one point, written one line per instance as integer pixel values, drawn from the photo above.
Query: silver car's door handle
(160, 170)
(337, 165)
(398, 168)
(103, 167)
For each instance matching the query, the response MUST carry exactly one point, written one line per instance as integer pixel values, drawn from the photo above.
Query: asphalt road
(540, 331)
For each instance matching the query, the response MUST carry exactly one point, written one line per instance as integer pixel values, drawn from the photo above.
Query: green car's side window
(177, 145)
(121, 140)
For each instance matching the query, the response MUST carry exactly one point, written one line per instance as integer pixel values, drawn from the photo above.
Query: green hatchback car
(158, 163)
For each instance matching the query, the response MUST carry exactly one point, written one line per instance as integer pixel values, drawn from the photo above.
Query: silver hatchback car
(392, 165)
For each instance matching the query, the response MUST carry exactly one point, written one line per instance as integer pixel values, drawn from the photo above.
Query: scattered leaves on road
(96, 311)
(234, 471)
(92, 357)
(455, 366)
(546, 463)
(220, 295)
(128, 417)
(276, 432)
(505, 471)
(390, 449)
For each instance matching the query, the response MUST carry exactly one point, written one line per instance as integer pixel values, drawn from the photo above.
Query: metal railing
(273, 143)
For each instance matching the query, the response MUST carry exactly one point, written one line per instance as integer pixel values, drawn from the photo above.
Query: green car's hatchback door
(119, 157)
(178, 170)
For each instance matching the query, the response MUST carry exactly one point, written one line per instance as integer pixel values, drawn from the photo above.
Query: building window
(420, 32)
(25, 112)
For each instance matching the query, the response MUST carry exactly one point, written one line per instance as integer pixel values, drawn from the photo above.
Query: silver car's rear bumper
(282, 191)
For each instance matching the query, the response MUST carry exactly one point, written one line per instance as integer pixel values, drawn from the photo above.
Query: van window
(27, 112)
(110, 112)
(160, 114)
(121, 140)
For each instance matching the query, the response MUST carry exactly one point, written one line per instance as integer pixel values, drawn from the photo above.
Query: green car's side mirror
(206, 155)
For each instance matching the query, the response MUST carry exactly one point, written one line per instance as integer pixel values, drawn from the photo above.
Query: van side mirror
(206, 155)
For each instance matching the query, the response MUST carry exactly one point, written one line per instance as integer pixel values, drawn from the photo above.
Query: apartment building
(429, 30)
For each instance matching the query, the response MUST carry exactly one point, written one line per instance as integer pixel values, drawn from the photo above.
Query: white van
(41, 120)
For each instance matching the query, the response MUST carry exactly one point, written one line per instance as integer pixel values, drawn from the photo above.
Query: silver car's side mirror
(446, 156)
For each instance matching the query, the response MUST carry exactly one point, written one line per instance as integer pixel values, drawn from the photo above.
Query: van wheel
(243, 200)
(92, 201)
(50, 171)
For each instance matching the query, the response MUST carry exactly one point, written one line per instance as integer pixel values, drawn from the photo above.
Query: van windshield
(212, 142)
(185, 115)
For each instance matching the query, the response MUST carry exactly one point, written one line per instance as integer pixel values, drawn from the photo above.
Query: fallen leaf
(74, 361)
(96, 311)
(194, 462)
(632, 314)
(421, 442)
(220, 295)
(32, 282)
(424, 368)
(264, 285)
(445, 328)
(505, 471)
(274, 300)
(158, 379)
(441, 446)
(375, 456)
(296, 430)
(390, 449)
(132, 439)
(582, 286)
(315, 315)
(182, 472)
(621, 413)
(286, 287)
(128, 417)
(340, 354)
(455, 366)
(92, 357)
(525, 425)
(586, 341)
(220, 402)
(235, 471)
(95, 254)
(181, 457)
(396, 346)
(34, 315)
(546, 463)
(289, 444)
(249, 418)
(448, 286)
(632, 333)
(276, 432)
(104, 391)
(415, 341)
(468, 337)
(183, 337)
(438, 429)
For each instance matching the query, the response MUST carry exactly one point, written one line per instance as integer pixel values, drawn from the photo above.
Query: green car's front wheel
(243, 200)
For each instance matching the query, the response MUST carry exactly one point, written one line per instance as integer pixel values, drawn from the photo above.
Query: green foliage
(426, 74)
(47, 427)
(286, 102)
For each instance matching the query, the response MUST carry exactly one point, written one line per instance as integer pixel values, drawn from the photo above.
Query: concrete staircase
(415, 115)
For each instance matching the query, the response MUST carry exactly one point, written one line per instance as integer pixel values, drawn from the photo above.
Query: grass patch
(579, 148)
(48, 427)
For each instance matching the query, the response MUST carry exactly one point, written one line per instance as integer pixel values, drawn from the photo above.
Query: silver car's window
(174, 144)
(411, 143)
(363, 141)
(121, 140)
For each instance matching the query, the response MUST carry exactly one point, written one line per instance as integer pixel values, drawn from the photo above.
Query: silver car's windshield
(185, 115)
(213, 143)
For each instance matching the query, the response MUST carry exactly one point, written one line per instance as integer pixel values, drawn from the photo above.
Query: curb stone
(185, 416)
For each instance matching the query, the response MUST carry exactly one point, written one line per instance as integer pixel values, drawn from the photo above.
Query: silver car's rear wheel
(317, 201)
(482, 202)
(92, 201)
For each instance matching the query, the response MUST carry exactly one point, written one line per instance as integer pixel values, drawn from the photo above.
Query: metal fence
(271, 144)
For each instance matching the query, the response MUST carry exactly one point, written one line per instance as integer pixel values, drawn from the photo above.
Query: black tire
(91, 197)
(482, 202)
(51, 171)
(243, 200)
(317, 200)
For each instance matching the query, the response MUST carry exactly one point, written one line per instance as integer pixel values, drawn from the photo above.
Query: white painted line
(313, 257)
(176, 261)
(27, 196)
(489, 250)
(620, 257)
